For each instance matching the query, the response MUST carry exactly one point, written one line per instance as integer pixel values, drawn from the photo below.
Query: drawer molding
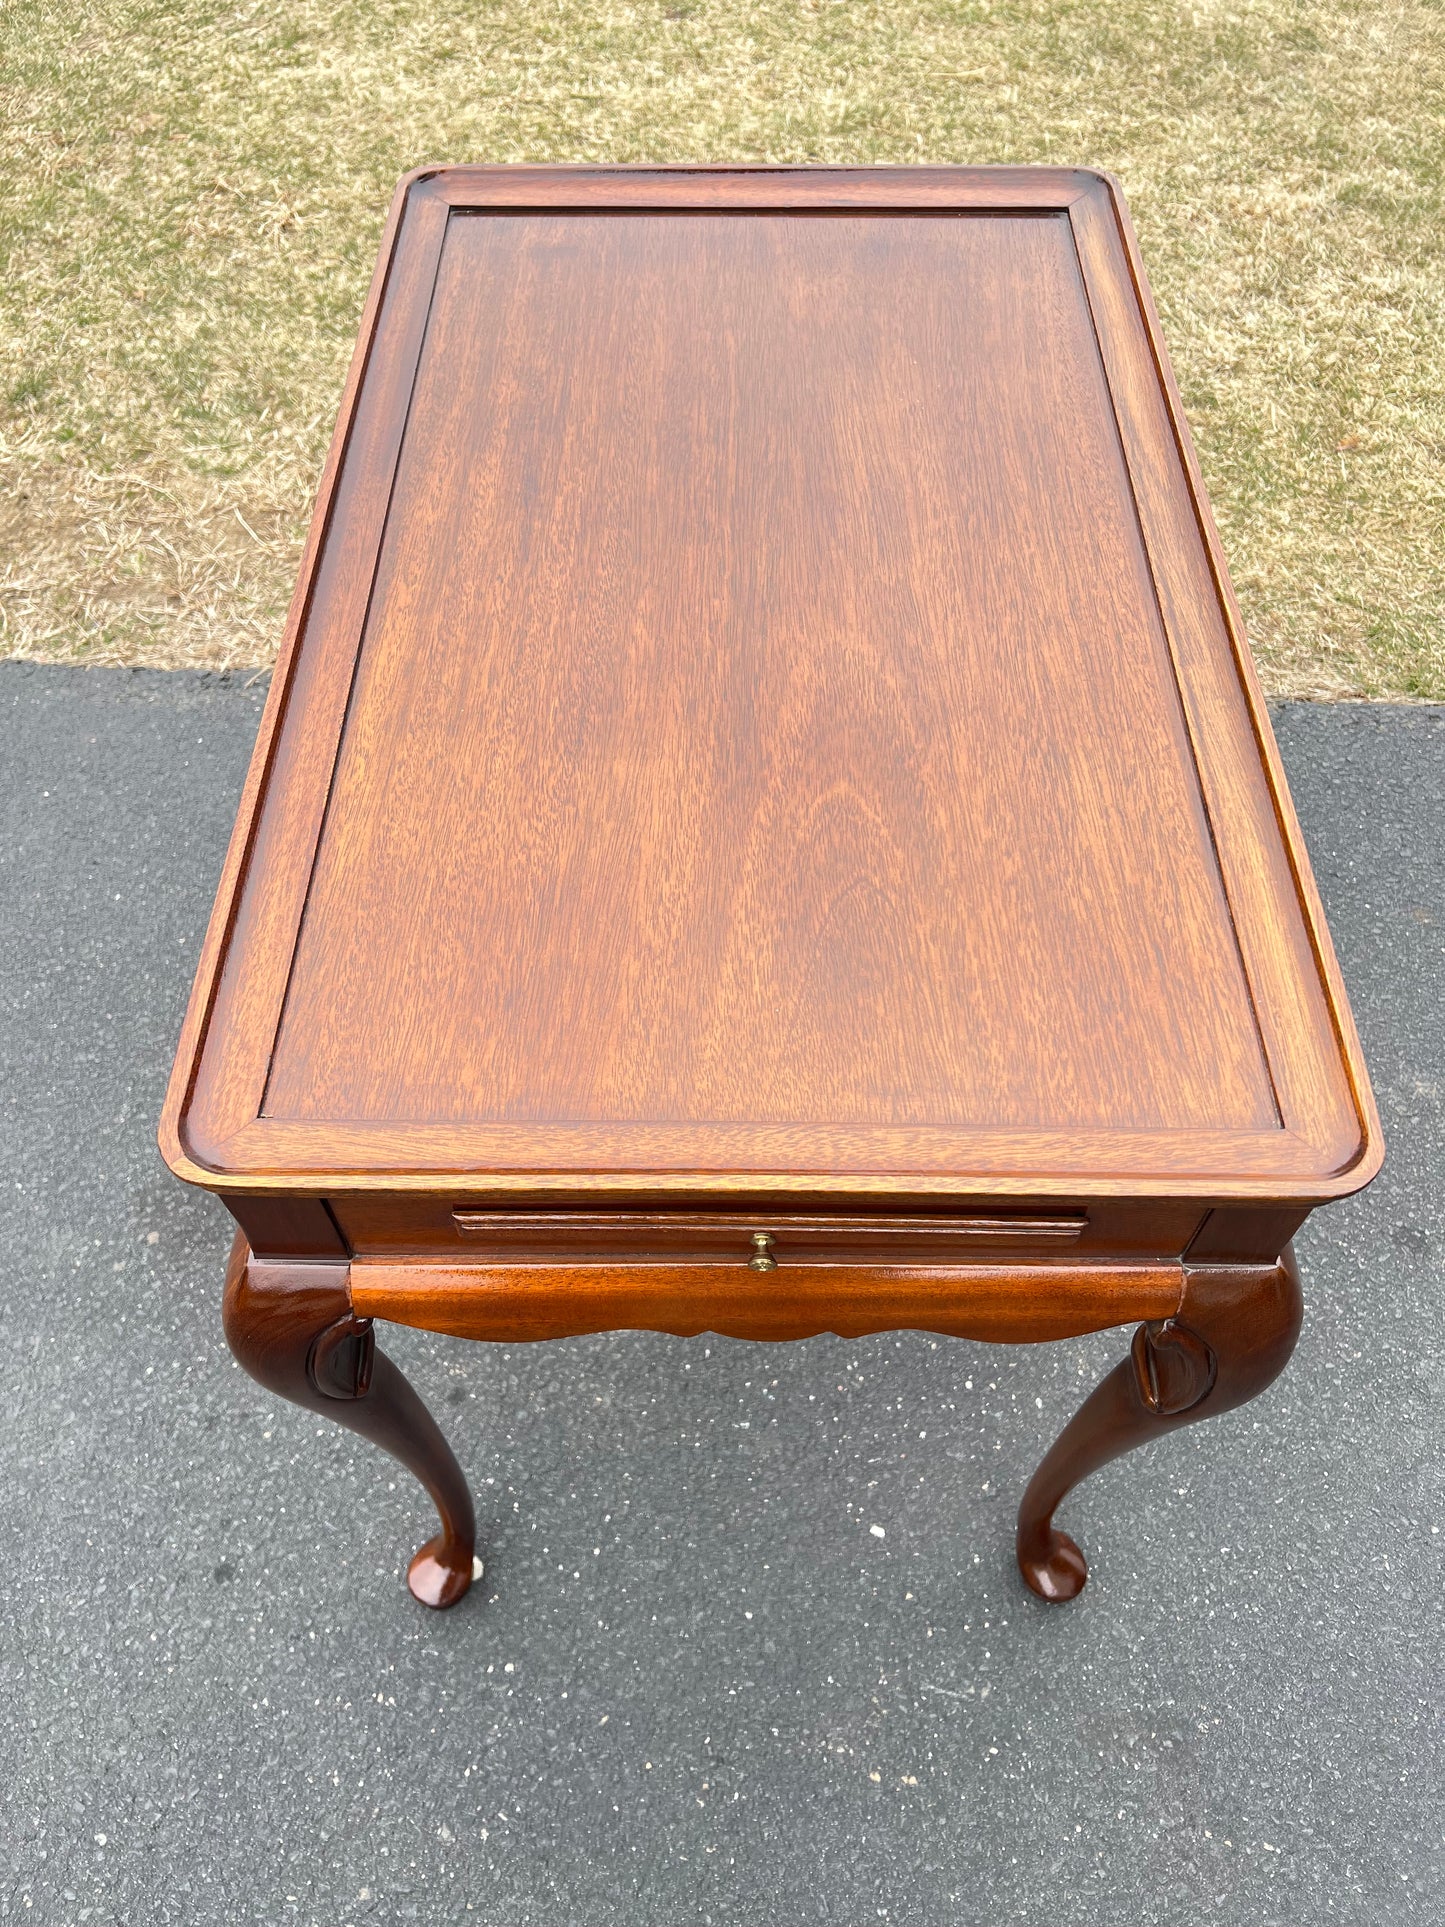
(783, 1239)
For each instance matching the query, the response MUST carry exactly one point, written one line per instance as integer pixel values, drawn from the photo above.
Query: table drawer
(761, 1241)
(762, 1238)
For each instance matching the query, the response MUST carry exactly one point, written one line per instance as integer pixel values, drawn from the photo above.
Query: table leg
(1233, 1333)
(292, 1327)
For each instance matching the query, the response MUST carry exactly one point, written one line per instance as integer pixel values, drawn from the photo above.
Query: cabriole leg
(1233, 1333)
(292, 1327)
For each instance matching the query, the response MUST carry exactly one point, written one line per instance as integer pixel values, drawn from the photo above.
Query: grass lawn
(193, 194)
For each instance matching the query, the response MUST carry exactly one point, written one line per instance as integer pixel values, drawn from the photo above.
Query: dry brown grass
(194, 193)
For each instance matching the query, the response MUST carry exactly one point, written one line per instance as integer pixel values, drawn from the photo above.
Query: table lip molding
(214, 1131)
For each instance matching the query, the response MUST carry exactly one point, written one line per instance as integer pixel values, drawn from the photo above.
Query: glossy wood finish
(1231, 1336)
(770, 488)
(1007, 1303)
(294, 1328)
(764, 821)
(1113, 1230)
(763, 708)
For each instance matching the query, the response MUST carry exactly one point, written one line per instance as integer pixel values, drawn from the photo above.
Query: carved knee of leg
(1174, 1368)
(1249, 1317)
(291, 1327)
(342, 1357)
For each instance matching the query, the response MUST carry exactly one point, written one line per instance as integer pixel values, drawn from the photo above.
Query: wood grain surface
(743, 578)
(766, 710)
(1006, 1303)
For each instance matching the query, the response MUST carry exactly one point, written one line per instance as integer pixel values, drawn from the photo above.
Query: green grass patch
(193, 192)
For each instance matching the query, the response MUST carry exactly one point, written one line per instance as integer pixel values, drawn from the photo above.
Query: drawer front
(763, 1241)
(763, 1238)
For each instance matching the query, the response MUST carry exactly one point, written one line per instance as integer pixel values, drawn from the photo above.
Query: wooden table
(765, 822)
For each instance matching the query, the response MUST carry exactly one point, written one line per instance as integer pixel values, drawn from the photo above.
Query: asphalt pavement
(750, 1648)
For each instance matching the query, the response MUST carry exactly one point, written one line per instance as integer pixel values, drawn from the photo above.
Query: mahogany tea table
(765, 822)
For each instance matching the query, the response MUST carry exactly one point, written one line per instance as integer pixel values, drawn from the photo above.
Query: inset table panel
(760, 603)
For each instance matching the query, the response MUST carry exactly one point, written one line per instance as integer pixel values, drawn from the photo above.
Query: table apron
(1006, 1304)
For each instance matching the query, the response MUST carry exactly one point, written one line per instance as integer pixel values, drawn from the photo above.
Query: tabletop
(764, 708)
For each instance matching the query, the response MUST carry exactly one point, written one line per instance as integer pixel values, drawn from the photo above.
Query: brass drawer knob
(762, 1258)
